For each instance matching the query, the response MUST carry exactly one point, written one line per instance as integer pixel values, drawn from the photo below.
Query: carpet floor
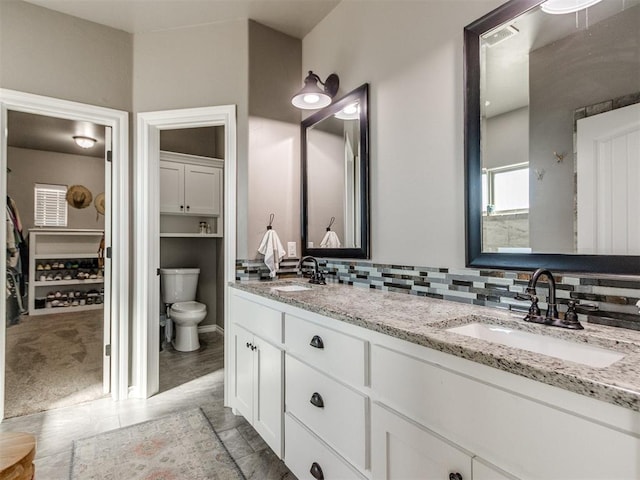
(53, 361)
(179, 446)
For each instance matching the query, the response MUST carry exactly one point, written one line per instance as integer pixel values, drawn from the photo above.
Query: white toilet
(178, 287)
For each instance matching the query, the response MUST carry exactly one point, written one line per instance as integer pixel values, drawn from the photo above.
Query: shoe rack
(64, 274)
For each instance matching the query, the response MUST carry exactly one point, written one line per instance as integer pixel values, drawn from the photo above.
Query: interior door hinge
(109, 155)
(108, 252)
(107, 350)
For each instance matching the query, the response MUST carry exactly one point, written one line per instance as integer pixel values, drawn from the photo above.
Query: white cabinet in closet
(63, 271)
(191, 190)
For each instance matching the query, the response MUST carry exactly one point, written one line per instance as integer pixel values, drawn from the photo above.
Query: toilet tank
(178, 284)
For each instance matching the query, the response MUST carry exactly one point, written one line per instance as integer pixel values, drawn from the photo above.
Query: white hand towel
(273, 251)
(330, 240)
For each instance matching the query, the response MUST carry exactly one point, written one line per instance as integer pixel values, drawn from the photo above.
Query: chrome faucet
(317, 276)
(551, 317)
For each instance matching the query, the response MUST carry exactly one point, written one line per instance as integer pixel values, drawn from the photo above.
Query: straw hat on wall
(99, 203)
(79, 196)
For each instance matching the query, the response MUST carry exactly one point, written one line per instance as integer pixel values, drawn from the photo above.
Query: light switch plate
(291, 249)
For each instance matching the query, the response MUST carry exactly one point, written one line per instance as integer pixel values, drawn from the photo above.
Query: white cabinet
(257, 372)
(394, 410)
(191, 191)
(64, 273)
(405, 450)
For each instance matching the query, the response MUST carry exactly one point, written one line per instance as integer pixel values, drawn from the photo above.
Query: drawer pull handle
(455, 476)
(316, 471)
(316, 400)
(317, 342)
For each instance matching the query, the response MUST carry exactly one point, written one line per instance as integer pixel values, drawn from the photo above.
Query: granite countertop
(423, 321)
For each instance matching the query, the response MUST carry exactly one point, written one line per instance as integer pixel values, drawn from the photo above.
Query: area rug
(183, 445)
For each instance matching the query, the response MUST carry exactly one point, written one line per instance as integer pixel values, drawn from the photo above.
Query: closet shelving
(64, 246)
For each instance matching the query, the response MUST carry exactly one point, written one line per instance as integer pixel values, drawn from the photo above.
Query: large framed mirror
(552, 136)
(335, 178)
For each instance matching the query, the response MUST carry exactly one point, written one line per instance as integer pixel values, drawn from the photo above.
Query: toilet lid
(189, 307)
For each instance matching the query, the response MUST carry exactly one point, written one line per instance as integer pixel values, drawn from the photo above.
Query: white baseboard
(210, 328)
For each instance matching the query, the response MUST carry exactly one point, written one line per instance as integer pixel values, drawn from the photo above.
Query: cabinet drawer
(335, 353)
(303, 449)
(341, 421)
(263, 321)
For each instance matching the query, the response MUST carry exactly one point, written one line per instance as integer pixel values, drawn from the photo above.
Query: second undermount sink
(585, 354)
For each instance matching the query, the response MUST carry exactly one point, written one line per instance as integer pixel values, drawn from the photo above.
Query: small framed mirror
(335, 178)
(552, 121)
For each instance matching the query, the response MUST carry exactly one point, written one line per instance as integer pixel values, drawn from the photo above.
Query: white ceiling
(293, 17)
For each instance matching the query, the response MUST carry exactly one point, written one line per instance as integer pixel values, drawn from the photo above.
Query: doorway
(73, 252)
(147, 299)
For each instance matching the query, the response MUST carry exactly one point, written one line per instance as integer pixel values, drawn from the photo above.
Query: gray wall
(558, 85)
(56, 55)
(412, 55)
(35, 166)
(273, 181)
(202, 141)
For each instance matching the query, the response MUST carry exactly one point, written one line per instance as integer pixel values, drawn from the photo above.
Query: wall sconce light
(559, 7)
(84, 142)
(311, 96)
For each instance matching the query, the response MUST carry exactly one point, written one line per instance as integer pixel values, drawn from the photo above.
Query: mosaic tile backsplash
(615, 297)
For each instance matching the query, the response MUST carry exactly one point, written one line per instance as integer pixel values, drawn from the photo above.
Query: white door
(404, 450)
(171, 187)
(608, 172)
(267, 397)
(484, 471)
(242, 372)
(106, 339)
(202, 189)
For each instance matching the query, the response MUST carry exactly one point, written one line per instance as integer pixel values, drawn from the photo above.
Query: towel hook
(333, 219)
(271, 217)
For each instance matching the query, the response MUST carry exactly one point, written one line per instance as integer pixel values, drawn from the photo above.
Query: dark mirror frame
(614, 264)
(362, 95)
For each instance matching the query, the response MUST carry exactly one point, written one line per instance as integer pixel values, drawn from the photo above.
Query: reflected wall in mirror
(335, 183)
(552, 137)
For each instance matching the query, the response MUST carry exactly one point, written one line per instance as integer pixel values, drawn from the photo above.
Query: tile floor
(187, 380)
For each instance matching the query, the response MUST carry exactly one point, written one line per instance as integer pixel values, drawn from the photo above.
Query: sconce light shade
(559, 7)
(350, 112)
(311, 96)
(84, 142)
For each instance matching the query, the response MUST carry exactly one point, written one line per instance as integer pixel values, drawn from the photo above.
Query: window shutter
(50, 205)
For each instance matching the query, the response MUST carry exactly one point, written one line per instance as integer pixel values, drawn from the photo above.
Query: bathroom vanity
(344, 382)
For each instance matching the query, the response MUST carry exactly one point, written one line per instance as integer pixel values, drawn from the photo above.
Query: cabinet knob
(181, 207)
(253, 347)
(455, 476)
(316, 471)
(316, 400)
(316, 342)
(188, 207)
(248, 345)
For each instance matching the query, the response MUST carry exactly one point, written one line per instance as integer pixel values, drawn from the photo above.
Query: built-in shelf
(53, 245)
(54, 283)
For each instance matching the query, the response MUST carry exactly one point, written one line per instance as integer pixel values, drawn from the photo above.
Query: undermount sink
(534, 342)
(291, 288)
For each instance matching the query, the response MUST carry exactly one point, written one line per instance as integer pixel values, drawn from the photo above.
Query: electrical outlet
(291, 248)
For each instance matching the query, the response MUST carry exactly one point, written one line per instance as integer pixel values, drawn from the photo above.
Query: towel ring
(271, 217)
(333, 219)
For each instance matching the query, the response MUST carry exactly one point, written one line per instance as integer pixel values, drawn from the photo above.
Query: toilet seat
(188, 307)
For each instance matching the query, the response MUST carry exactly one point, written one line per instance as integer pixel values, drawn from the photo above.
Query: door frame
(119, 303)
(146, 298)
